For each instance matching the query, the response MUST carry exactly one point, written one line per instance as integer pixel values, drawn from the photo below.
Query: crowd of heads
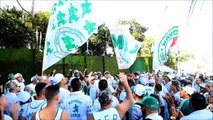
(167, 95)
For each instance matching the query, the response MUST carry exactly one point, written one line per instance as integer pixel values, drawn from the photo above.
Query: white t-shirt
(64, 93)
(164, 89)
(23, 107)
(78, 105)
(32, 87)
(154, 116)
(12, 98)
(93, 91)
(33, 107)
(178, 98)
(122, 95)
(96, 83)
(110, 81)
(22, 86)
(149, 90)
(97, 105)
(199, 115)
(107, 114)
(7, 117)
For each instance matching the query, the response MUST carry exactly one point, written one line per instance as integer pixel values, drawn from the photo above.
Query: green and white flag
(126, 47)
(69, 27)
(164, 47)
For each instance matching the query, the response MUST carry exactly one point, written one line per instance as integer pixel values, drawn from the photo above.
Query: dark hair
(198, 101)
(51, 92)
(39, 87)
(75, 84)
(156, 97)
(201, 78)
(103, 84)
(131, 83)
(158, 87)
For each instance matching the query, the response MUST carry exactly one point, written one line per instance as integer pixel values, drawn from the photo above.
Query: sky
(195, 37)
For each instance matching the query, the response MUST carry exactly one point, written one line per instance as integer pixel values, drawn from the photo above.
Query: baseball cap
(132, 75)
(139, 90)
(105, 97)
(150, 81)
(176, 83)
(149, 102)
(142, 80)
(57, 78)
(203, 85)
(23, 96)
(13, 84)
(76, 71)
(189, 90)
(35, 77)
(95, 73)
(106, 72)
(10, 76)
(17, 75)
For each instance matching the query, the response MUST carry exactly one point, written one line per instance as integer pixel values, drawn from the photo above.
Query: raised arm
(124, 106)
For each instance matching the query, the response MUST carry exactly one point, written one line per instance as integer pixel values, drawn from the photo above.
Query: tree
(145, 50)
(40, 22)
(98, 42)
(15, 29)
(173, 60)
(136, 29)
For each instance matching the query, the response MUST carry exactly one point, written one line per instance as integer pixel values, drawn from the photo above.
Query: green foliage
(18, 27)
(16, 31)
(23, 61)
(40, 21)
(98, 42)
(16, 55)
(184, 56)
(173, 60)
(146, 47)
(136, 29)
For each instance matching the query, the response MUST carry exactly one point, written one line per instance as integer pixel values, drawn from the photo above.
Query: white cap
(17, 75)
(203, 85)
(76, 71)
(35, 77)
(16, 82)
(13, 84)
(57, 78)
(142, 80)
(139, 90)
(189, 90)
(103, 78)
(170, 76)
(23, 96)
(150, 81)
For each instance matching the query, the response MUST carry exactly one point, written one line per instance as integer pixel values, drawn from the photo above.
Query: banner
(69, 27)
(126, 47)
(164, 47)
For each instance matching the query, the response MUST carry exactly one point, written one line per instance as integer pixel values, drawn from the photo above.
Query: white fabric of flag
(166, 40)
(164, 47)
(126, 47)
(69, 27)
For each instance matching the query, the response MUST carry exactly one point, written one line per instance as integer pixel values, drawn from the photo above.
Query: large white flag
(126, 47)
(69, 27)
(164, 47)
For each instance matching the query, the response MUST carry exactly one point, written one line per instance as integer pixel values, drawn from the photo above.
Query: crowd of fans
(102, 96)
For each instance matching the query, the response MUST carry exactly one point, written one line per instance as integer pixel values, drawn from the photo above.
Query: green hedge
(29, 62)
